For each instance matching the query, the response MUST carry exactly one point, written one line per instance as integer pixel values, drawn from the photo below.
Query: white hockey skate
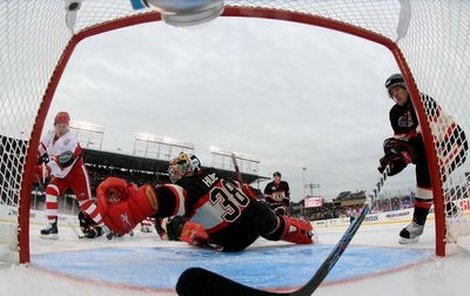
(411, 233)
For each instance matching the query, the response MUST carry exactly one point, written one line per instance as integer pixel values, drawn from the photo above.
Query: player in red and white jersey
(205, 209)
(60, 157)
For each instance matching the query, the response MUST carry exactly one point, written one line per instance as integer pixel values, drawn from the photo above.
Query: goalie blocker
(209, 210)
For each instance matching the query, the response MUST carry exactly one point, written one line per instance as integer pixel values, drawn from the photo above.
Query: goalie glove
(180, 228)
(398, 154)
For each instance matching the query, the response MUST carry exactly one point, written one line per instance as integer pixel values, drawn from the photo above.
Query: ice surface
(266, 267)
(375, 264)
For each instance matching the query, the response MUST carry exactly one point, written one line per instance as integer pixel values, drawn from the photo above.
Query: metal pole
(303, 190)
(303, 181)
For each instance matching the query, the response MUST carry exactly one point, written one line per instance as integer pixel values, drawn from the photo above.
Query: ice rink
(374, 264)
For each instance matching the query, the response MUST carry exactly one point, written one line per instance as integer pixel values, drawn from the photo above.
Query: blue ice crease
(265, 267)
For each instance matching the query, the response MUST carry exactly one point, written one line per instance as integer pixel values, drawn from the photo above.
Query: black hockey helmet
(393, 80)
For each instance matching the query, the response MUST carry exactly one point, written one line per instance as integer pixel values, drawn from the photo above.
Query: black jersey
(404, 121)
(451, 144)
(205, 198)
(277, 193)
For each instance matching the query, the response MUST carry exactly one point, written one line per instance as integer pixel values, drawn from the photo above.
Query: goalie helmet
(183, 165)
(394, 80)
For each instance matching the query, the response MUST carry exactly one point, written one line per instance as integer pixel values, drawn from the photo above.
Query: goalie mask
(183, 165)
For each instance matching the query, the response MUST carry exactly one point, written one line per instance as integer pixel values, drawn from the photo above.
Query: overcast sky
(292, 95)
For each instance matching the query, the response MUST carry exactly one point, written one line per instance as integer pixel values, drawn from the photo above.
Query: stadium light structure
(248, 164)
(89, 135)
(160, 147)
(311, 186)
(238, 155)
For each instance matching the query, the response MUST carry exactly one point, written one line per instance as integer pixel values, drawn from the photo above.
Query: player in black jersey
(277, 194)
(407, 146)
(204, 209)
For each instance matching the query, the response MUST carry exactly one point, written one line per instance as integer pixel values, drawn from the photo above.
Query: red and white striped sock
(51, 208)
(89, 207)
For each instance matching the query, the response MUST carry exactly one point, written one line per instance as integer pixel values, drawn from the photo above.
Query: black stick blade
(197, 281)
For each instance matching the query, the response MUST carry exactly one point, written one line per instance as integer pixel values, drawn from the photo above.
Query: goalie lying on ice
(206, 209)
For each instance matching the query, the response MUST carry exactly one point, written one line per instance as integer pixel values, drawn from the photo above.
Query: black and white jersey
(277, 193)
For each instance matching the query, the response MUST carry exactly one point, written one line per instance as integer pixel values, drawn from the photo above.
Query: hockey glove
(179, 228)
(398, 154)
(394, 161)
(399, 147)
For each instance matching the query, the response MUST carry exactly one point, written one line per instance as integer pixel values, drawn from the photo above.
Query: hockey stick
(74, 229)
(198, 281)
(239, 174)
(237, 169)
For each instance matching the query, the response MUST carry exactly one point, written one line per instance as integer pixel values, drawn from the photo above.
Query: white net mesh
(433, 36)
(438, 56)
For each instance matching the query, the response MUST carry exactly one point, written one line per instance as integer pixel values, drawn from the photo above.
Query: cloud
(293, 95)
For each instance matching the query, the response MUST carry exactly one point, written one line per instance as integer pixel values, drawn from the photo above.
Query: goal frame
(230, 11)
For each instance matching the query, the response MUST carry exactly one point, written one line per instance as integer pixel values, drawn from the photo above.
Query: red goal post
(427, 40)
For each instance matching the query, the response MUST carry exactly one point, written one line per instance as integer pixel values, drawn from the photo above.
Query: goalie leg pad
(292, 230)
(123, 206)
(297, 231)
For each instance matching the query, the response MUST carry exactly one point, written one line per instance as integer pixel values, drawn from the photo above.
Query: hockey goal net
(429, 40)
